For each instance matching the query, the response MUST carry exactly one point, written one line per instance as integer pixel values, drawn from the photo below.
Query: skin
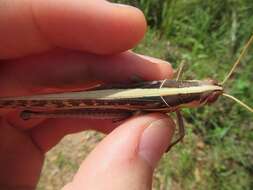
(53, 46)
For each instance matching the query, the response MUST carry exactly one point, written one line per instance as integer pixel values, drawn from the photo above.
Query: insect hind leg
(180, 123)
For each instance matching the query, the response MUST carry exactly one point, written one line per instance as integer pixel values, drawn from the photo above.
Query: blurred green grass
(208, 35)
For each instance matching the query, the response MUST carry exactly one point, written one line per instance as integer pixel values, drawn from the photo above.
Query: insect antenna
(161, 96)
(238, 60)
(232, 71)
(179, 74)
(239, 102)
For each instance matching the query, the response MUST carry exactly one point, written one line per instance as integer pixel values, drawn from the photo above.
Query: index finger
(93, 26)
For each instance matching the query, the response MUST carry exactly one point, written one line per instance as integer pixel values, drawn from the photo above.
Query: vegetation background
(218, 148)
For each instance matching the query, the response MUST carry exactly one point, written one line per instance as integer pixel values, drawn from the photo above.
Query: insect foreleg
(180, 70)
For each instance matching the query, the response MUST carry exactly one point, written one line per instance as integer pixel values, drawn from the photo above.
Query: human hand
(126, 158)
(52, 46)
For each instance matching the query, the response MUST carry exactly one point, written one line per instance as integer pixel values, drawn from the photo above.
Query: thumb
(126, 158)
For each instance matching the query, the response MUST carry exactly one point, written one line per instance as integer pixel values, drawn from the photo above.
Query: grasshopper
(119, 101)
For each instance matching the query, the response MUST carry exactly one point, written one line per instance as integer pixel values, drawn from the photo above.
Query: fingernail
(122, 5)
(155, 140)
(153, 59)
(165, 67)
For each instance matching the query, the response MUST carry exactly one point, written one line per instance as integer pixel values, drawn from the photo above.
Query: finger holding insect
(62, 70)
(48, 133)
